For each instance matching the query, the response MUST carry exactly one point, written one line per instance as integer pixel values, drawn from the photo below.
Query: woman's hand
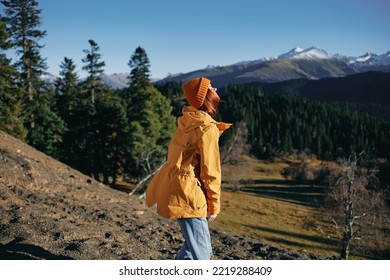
(211, 218)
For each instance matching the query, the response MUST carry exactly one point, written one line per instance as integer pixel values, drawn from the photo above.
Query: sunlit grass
(267, 207)
(275, 221)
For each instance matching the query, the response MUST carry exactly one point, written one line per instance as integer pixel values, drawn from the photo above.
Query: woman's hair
(211, 102)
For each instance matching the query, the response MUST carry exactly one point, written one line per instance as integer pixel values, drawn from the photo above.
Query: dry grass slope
(279, 212)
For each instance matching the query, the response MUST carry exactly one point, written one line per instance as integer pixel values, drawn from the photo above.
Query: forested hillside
(368, 87)
(283, 123)
(102, 132)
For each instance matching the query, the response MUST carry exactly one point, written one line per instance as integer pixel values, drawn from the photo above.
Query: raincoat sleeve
(210, 168)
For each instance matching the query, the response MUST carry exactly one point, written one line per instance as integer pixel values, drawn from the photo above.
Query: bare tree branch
(143, 180)
(353, 204)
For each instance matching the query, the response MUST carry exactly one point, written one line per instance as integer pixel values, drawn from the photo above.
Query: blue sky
(184, 35)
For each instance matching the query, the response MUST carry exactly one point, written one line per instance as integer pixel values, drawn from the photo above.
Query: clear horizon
(180, 36)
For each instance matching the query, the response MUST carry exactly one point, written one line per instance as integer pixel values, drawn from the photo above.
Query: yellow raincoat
(189, 184)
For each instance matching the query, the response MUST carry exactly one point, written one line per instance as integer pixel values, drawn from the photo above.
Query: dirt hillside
(51, 211)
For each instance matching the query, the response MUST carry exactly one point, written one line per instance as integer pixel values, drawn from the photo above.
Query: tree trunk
(348, 220)
(344, 253)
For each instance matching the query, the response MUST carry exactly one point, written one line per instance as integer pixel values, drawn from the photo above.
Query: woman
(188, 186)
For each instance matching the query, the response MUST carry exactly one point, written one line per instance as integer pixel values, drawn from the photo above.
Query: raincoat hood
(193, 118)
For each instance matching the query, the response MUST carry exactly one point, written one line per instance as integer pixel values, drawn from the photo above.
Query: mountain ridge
(310, 63)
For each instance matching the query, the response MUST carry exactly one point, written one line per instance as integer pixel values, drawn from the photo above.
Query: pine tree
(68, 98)
(150, 128)
(94, 67)
(112, 137)
(86, 111)
(139, 75)
(149, 113)
(45, 128)
(23, 20)
(10, 101)
(67, 88)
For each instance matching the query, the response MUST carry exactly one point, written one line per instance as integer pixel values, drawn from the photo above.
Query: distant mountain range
(116, 81)
(311, 63)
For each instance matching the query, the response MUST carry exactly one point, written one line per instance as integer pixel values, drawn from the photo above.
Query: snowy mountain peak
(297, 50)
(309, 53)
(371, 59)
(291, 53)
(364, 58)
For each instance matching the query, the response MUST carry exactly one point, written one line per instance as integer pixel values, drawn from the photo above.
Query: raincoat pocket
(190, 193)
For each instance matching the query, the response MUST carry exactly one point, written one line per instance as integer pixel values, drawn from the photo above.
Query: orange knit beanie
(195, 91)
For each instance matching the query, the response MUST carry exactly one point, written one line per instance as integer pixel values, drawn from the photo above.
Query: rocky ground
(51, 211)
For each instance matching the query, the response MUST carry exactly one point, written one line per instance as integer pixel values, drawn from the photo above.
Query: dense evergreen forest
(101, 132)
(285, 122)
(108, 133)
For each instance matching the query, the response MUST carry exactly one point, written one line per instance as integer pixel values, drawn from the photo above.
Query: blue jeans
(197, 245)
